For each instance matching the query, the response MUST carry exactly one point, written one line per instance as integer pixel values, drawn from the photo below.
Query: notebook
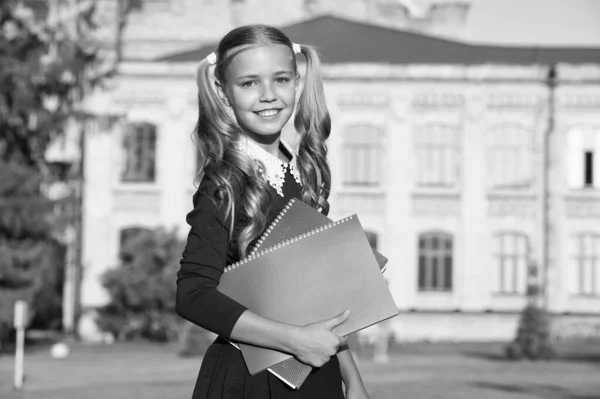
(283, 283)
(296, 218)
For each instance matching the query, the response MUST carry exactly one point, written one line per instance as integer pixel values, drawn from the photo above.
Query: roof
(568, 23)
(345, 41)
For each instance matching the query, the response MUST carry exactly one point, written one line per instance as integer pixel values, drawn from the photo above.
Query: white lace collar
(269, 166)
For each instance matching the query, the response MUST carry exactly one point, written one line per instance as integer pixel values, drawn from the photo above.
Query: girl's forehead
(260, 59)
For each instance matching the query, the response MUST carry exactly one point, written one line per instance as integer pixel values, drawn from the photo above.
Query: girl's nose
(267, 94)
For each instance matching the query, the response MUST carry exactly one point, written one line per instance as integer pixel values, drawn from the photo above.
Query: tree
(51, 57)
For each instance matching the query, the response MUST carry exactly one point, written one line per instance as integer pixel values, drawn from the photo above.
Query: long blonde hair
(243, 193)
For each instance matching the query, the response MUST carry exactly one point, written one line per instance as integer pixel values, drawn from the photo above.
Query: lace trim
(271, 167)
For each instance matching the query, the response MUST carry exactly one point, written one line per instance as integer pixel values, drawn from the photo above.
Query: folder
(295, 219)
(309, 278)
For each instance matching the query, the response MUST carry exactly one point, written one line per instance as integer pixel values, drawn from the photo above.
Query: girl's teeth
(268, 113)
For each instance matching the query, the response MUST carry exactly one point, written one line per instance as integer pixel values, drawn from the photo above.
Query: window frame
(502, 257)
(140, 144)
(366, 150)
(434, 147)
(441, 271)
(522, 153)
(580, 258)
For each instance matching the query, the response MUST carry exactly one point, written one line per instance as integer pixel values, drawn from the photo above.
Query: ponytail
(313, 124)
(241, 193)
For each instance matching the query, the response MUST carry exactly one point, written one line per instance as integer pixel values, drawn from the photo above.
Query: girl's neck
(268, 143)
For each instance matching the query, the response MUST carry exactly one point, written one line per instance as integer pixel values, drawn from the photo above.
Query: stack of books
(306, 268)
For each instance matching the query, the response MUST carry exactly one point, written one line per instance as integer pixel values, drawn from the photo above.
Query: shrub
(142, 288)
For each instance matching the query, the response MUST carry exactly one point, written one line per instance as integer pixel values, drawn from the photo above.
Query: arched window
(510, 157)
(139, 145)
(437, 154)
(435, 261)
(584, 268)
(362, 156)
(511, 256)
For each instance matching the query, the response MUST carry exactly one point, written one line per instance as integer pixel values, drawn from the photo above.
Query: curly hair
(243, 193)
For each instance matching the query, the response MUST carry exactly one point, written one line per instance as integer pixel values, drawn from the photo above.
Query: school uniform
(223, 373)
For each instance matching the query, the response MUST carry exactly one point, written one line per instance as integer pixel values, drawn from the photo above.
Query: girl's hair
(242, 192)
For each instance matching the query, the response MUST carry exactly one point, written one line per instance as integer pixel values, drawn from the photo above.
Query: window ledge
(523, 194)
(508, 295)
(436, 191)
(366, 190)
(150, 188)
(595, 297)
(583, 193)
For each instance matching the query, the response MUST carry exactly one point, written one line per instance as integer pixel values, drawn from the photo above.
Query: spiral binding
(272, 226)
(265, 251)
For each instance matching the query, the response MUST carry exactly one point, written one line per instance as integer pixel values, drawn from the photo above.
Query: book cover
(311, 278)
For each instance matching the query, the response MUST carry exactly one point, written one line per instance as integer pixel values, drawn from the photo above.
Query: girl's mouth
(268, 112)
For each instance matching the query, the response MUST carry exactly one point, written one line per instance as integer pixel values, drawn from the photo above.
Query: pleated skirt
(223, 375)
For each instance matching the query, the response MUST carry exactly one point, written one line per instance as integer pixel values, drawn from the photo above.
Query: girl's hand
(356, 392)
(315, 344)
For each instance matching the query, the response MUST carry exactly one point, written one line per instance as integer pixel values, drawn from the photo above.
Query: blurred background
(466, 136)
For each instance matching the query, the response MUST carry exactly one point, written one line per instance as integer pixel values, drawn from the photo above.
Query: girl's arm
(355, 388)
(199, 301)
(313, 344)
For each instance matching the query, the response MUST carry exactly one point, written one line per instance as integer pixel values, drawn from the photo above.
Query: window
(583, 158)
(511, 258)
(585, 264)
(510, 157)
(435, 262)
(437, 155)
(362, 156)
(139, 145)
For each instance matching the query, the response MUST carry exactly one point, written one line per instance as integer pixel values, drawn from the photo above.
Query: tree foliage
(142, 289)
(50, 57)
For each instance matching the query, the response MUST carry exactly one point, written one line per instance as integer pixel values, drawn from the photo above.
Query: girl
(248, 176)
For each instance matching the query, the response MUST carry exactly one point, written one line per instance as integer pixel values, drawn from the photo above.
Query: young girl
(248, 176)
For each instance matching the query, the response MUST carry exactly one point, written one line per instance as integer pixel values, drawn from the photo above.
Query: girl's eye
(282, 80)
(249, 83)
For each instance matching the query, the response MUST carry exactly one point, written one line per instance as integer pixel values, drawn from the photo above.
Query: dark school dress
(223, 373)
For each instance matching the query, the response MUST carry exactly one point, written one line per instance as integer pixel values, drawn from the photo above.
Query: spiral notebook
(283, 283)
(295, 219)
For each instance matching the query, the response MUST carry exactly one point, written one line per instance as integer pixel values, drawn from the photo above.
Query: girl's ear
(221, 93)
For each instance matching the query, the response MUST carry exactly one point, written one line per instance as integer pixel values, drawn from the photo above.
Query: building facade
(467, 173)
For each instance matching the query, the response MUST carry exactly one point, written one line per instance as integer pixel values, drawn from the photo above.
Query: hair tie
(211, 58)
(296, 47)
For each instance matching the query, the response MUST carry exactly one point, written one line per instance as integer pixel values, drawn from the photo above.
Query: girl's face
(261, 87)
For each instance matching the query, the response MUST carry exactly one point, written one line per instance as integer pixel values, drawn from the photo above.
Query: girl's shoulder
(207, 204)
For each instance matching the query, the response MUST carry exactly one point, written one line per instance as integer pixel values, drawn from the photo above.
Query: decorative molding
(361, 202)
(136, 200)
(436, 101)
(512, 102)
(361, 100)
(581, 102)
(578, 72)
(579, 207)
(427, 204)
(507, 205)
(365, 71)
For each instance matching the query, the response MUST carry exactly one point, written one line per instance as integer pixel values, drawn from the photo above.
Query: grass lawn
(416, 371)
